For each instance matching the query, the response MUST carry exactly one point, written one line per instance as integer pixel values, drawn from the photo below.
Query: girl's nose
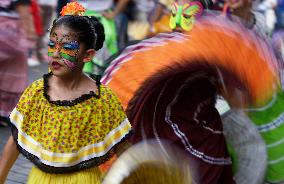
(56, 52)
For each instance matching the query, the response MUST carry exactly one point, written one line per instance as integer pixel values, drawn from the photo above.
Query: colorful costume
(269, 121)
(268, 118)
(173, 80)
(266, 135)
(68, 140)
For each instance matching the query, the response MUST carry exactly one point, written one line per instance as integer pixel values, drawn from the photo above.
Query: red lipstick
(55, 65)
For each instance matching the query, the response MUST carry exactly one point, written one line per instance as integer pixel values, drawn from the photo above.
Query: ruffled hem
(93, 162)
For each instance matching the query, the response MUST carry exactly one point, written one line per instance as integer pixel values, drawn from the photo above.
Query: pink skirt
(13, 63)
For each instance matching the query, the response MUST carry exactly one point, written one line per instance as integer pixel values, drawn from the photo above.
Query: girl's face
(65, 52)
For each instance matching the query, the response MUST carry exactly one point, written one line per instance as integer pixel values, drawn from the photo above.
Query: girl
(67, 123)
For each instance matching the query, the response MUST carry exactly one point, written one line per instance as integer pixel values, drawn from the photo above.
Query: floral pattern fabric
(64, 136)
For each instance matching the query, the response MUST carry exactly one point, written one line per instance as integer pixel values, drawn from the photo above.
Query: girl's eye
(51, 44)
(71, 46)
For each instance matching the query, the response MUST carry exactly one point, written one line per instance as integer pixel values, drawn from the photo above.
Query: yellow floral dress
(68, 140)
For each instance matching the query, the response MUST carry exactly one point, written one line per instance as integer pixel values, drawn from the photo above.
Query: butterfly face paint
(66, 48)
(184, 15)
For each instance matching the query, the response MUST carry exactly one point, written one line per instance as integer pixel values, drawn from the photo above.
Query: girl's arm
(119, 7)
(8, 158)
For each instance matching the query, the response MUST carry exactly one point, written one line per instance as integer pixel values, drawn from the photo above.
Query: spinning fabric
(246, 146)
(151, 162)
(228, 52)
(168, 84)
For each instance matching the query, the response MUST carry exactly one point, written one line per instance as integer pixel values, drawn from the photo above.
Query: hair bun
(100, 32)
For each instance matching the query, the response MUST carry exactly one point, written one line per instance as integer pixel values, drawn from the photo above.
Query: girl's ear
(90, 53)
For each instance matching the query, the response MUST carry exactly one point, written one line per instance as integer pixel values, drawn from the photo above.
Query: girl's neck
(69, 82)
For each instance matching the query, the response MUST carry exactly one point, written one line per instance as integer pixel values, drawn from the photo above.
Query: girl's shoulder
(104, 90)
(35, 87)
(107, 92)
(32, 94)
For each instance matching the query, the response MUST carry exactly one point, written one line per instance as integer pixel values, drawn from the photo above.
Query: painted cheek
(50, 53)
(70, 55)
(69, 64)
(69, 58)
(51, 49)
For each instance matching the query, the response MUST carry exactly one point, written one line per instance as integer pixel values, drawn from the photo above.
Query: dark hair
(89, 29)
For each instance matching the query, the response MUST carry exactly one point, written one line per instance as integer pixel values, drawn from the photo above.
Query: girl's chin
(61, 72)
(64, 71)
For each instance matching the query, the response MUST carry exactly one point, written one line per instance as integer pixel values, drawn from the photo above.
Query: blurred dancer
(16, 26)
(268, 118)
(182, 110)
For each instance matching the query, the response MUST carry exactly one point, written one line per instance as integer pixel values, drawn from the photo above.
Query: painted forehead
(61, 34)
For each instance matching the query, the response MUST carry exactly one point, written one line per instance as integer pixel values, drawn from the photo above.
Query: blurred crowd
(133, 19)
(24, 26)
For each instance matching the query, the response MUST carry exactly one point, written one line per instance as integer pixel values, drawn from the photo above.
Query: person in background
(251, 19)
(34, 54)
(268, 9)
(266, 116)
(47, 9)
(139, 27)
(121, 20)
(16, 36)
